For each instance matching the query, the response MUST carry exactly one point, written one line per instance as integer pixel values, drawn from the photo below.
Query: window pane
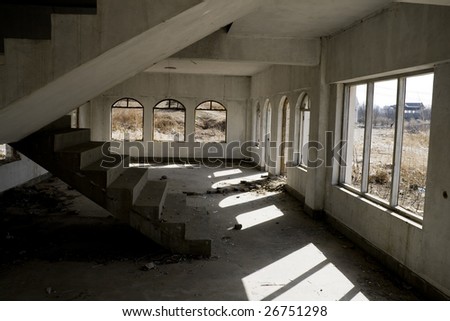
(416, 135)
(168, 124)
(204, 106)
(133, 103)
(2, 151)
(305, 116)
(127, 124)
(210, 126)
(121, 103)
(382, 139)
(355, 135)
(258, 126)
(216, 106)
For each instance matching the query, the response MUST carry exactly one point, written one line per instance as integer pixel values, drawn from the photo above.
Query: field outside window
(127, 120)
(210, 122)
(387, 129)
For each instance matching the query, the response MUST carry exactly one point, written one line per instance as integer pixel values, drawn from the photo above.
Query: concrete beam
(286, 51)
(28, 114)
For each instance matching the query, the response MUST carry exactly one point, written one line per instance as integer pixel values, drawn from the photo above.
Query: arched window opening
(169, 121)
(303, 132)
(285, 116)
(127, 120)
(258, 126)
(210, 122)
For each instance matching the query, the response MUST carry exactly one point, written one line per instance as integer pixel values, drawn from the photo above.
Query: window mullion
(367, 138)
(398, 141)
(344, 133)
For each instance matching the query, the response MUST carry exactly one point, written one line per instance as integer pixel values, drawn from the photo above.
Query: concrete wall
(190, 90)
(18, 172)
(403, 38)
(273, 86)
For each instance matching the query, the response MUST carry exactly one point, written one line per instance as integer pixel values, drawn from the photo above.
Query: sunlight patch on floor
(244, 198)
(258, 216)
(157, 166)
(328, 283)
(305, 274)
(236, 181)
(359, 297)
(228, 172)
(280, 273)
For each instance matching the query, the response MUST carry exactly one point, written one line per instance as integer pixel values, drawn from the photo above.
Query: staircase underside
(107, 180)
(86, 81)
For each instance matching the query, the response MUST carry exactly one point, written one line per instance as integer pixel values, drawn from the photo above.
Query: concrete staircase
(42, 80)
(108, 180)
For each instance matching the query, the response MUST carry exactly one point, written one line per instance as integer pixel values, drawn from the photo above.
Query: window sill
(397, 211)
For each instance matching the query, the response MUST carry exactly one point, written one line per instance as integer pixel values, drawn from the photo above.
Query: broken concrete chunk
(148, 266)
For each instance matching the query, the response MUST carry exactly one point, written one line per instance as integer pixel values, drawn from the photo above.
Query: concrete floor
(75, 251)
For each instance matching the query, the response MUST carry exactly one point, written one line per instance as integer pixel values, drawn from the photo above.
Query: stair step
(69, 138)
(106, 170)
(197, 219)
(170, 236)
(123, 192)
(150, 201)
(82, 155)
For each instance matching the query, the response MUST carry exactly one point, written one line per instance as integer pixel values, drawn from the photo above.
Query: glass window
(127, 120)
(387, 129)
(169, 121)
(210, 122)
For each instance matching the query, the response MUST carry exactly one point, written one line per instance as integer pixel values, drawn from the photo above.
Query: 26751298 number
(295, 311)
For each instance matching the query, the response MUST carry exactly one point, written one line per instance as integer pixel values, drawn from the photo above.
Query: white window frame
(398, 143)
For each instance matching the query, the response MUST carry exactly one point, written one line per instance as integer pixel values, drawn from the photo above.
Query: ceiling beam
(222, 46)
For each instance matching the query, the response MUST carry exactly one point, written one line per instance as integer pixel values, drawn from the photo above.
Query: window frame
(126, 108)
(299, 129)
(170, 100)
(393, 203)
(258, 125)
(210, 109)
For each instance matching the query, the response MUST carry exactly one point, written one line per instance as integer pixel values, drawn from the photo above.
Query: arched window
(210, 122)
(302, 130)
(127, 120)
(285, 116)
(258, 125)
(169, 121)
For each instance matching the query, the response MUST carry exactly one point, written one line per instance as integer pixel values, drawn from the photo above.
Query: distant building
(412, 110)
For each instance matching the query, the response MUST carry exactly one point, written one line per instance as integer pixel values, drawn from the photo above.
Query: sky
(418, 89)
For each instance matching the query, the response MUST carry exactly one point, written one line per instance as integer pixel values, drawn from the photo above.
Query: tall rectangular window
(357, 96)
(416, 137)
(382, 139)
(387, 129)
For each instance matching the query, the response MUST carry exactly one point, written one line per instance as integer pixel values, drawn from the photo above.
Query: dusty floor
(57, 245)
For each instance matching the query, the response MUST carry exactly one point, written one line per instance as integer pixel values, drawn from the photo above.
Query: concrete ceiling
(282, 19)
(310, 18)
(304, 18)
